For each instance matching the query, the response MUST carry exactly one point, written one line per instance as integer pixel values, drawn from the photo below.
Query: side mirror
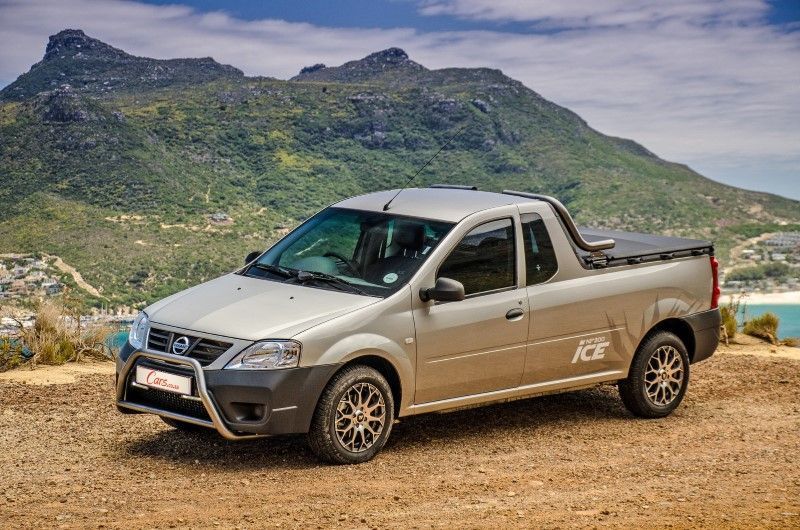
(251, 257)
(445, 290)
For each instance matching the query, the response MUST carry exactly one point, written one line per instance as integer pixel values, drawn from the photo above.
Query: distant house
(34, 276)
(220, 217)
(784, 240)
(777, 256)
(51, 287)
(18, 287)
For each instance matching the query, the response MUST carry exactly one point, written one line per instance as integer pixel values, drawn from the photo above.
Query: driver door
(478, 344)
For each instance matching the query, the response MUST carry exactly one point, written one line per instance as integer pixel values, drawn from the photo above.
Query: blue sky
(396, 13)
(714, 84)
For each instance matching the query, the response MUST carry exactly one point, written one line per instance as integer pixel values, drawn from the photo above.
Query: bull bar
(202, 390)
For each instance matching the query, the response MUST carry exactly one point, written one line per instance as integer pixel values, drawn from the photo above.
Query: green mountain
(117, 163)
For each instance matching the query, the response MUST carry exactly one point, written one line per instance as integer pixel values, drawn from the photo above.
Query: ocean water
(789, 315)
(116, 340)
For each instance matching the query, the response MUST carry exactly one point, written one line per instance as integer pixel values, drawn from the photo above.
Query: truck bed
(633, 247)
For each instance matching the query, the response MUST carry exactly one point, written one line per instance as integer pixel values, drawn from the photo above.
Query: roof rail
(454, 187)
(566, 218)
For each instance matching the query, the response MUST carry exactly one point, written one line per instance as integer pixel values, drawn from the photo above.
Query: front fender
(384, 330)
(367, 344)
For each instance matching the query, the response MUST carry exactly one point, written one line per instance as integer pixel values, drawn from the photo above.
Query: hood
(252, 309)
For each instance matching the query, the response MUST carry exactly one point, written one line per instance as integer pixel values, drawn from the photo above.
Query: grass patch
(793, 342)
(764, 327)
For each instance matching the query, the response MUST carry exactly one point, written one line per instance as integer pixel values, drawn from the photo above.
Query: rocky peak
(74, 43)
(91, 66)
(387, 56)
(374, 65)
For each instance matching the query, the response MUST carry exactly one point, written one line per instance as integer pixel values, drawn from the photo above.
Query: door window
(540, 256)
(485, 259)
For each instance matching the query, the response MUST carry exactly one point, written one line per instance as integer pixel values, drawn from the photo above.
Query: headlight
(267, 355)
(138, 331)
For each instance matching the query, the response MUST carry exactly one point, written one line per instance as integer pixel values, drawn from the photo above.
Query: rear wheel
(353, 418)
(658, 378)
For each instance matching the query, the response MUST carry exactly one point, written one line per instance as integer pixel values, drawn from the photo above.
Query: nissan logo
(180, 345)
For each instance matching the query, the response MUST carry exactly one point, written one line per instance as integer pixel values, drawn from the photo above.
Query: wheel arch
(386, 369)
(678, 327)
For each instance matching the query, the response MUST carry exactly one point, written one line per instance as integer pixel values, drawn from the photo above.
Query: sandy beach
(789, 298)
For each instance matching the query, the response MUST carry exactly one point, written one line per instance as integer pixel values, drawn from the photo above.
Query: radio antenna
(415, 175)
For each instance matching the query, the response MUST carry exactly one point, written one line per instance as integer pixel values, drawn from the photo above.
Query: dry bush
(793, 342)
(728, 322)
(764, 327)
(57, 337)
(728, 313)
(10, 354)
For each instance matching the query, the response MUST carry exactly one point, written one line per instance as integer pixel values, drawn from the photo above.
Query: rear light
(715, 284)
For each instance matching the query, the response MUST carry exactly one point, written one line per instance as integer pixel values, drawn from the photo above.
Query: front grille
(203, 349)
(167, 401)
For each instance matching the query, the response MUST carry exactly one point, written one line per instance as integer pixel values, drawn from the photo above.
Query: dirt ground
(727, 457)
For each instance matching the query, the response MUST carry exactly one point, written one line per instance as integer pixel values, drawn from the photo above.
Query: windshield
(371, 253)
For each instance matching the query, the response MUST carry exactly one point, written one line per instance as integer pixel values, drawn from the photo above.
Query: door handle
(515, 314)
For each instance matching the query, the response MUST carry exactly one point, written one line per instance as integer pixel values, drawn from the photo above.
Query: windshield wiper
(286, 273)
(304, 276)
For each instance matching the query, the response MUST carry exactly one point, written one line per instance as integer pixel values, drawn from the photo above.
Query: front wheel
(353, 418)
(658, 377)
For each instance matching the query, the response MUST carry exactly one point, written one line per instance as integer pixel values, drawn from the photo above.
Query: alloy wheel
(663, 377)
(360, 417)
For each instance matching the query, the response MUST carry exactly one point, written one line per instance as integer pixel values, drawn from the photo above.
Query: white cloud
(706, 83)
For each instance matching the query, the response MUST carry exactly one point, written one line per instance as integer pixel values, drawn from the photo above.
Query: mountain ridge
(121, 173)
(71, 57)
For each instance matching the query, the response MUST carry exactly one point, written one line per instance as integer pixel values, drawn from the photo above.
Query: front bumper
(239, 404)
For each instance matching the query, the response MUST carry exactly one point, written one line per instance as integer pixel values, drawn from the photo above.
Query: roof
(443, 204)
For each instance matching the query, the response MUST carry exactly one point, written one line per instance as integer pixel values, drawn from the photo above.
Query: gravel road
(727, 457)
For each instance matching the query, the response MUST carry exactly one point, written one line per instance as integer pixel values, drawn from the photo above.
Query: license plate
(163, 380)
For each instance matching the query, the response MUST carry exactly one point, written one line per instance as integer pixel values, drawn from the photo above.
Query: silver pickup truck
(385, 305)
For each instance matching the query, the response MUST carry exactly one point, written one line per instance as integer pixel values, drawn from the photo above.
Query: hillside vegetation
(116, 163)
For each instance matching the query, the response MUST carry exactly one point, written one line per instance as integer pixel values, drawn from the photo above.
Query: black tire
(650, 393)
(323, 437)
(182, 425)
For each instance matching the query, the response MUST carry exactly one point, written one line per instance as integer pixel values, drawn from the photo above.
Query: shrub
(728, 313)
(764, 327)
(728, 322)
(793, 342)
(54, 338)
(10, 354)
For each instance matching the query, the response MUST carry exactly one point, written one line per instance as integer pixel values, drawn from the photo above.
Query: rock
(63, 105)
(312, 68)
(481, 105)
